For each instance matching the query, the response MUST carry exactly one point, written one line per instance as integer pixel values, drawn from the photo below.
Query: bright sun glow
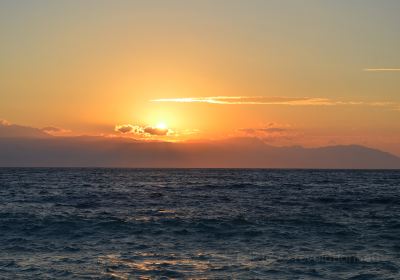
(161, 125)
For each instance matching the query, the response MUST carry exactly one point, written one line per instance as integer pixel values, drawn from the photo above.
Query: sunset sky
(308, 73)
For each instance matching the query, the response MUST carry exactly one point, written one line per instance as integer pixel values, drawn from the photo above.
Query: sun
(162, 125)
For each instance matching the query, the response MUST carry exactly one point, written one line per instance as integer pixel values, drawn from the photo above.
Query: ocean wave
(198, 224)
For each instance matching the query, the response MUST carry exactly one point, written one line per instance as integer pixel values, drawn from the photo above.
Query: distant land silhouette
(40, 151)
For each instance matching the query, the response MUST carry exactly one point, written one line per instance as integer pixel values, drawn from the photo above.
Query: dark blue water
(199, 224)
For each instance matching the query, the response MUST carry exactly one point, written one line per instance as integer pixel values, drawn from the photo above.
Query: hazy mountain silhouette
(237, 153)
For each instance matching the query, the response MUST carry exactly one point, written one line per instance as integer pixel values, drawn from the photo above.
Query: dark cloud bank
(239, 152)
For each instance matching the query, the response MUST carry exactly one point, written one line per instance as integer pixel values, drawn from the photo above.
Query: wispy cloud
(56, 131)
(276, 100)
(382, 69)
(250, 100)
(270, 132)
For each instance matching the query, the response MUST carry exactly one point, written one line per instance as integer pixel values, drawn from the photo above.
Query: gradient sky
(300, 72)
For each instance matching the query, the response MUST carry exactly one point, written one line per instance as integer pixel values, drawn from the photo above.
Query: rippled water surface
(199, 224)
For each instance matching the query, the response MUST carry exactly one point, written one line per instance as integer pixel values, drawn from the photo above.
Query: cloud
(4, 123)
(289, 101)
(269, 132)
(142, 130)
(51, 129)
(267, 128)
(263, 130)
(273, 129)
(9, 130)
(125, 128)
(56, 131)
(156, 130)
(250, 100)
(382, 69)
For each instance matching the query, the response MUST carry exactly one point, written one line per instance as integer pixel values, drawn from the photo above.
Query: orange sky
(310, 74)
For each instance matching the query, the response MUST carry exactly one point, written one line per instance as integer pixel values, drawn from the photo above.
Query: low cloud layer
(116, 152)
(142, 130)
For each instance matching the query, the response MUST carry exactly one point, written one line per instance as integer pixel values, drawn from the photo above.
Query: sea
(98, 223)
